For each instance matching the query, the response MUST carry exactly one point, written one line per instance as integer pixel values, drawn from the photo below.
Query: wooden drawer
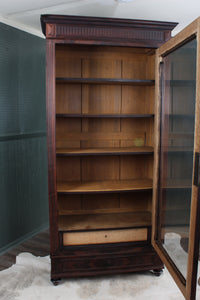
(105, 236)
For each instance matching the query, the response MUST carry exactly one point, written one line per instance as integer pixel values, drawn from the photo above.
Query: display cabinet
(115, 142)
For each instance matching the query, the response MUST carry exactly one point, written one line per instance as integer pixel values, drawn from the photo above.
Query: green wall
(23, 151)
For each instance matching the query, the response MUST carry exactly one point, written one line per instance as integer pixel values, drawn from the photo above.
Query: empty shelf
(104, 221)
(147, 82)
(105, 151)
(104, 186)
(104, 115)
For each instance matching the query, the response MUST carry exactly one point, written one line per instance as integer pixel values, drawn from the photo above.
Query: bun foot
(157, 272)
(56, 281)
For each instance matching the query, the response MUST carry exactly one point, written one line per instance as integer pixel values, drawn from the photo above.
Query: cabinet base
(107, 259)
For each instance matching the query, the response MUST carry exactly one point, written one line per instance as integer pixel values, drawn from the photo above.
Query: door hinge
(197, 169)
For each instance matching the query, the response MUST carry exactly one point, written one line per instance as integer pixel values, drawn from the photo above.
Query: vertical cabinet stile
(51, 143)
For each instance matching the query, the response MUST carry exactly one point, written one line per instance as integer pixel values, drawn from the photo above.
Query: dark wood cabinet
(105, 146)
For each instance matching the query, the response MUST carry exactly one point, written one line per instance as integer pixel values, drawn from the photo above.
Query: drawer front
(105, 236)
(104, 259)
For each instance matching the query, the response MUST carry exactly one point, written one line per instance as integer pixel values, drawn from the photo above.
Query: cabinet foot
(157, 272)
(56, 281)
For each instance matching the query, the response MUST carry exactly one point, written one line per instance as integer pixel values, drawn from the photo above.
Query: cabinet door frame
(51, 142)
(188, 286)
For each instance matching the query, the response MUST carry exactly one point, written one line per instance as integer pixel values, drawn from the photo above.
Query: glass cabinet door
(177, 150)
(176, 193)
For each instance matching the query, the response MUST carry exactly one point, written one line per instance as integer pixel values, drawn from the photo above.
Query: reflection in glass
(177, 143)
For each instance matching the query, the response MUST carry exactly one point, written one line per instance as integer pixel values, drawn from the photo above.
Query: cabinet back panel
(104, 99)
(103, 168)
(65, 127)
(133, 167)
(68, 98)
(93, 51)
(104, 221)
(69, 202)
(97, 202)
(101, 68)
(101, 125)
(135, 201)
(150, 69)
(68, 169)
(67, 67)
(140, 66)
(130, 125)
(109, 139)
(101, 143)
(137, 99)
(103, 132)
(100, 168)
(104, 62)
(134, 68)
(101, 99)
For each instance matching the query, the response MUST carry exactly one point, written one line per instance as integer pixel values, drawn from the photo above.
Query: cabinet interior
(104, 143)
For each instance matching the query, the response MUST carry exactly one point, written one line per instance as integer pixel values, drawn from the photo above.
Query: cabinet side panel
(50, 102)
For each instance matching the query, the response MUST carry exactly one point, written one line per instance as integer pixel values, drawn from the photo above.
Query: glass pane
(177, 143)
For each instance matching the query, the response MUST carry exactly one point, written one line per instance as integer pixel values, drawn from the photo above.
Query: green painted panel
(23, 187)
(31, 93)
(23, 151)
(22, 82)
(9, 116)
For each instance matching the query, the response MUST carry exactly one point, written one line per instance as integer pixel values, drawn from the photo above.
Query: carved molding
(50, 30)
(73, 32)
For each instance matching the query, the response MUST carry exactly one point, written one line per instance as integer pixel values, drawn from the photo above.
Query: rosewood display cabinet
(123, 147)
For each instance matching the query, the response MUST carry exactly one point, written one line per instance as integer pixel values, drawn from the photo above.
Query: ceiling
(25, 14)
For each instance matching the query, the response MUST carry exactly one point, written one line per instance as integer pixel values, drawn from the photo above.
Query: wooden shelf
(142, 82)
(104, 221)
(105, 151)
(104, 186)
(104, 115)
(68, 212)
